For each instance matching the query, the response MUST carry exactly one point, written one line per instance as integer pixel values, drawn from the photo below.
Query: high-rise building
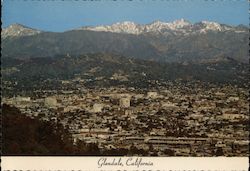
(152, 94)
(97, 107)
(124, 102)
(50, 102)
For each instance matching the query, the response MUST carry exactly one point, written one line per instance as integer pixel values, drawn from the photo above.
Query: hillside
(104, 70)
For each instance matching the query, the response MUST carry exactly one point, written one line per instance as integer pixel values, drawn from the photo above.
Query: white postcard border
(74, 163)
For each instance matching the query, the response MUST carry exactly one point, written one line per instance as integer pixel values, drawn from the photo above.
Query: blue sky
(61, 15)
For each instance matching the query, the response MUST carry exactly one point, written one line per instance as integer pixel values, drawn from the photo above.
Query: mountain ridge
(130, 27)
(18, 30)
(203, 41)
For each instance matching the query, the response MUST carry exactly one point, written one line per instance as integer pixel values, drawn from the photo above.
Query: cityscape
(118, 80)
(174, 120)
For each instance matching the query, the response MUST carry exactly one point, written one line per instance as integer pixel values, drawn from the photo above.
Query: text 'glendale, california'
(136, 162)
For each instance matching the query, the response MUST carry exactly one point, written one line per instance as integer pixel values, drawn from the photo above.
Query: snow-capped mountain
(17, 30)
(177, 26)
(178, 41)
(124, 27)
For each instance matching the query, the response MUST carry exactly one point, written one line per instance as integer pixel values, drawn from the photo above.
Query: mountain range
(177, 41)
(176, 27)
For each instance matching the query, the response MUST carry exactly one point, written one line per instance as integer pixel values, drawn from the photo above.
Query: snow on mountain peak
(119, 27)
(211, 26)
(16, 30)
(156, 26)
(125, 27)
(133, 28)
(180, 26)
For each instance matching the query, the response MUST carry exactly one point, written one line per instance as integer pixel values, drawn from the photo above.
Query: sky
(61, 15)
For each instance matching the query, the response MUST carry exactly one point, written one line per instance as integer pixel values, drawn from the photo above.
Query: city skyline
(84, 13)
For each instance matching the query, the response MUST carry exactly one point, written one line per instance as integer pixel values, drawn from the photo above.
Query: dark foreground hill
(23, 135)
